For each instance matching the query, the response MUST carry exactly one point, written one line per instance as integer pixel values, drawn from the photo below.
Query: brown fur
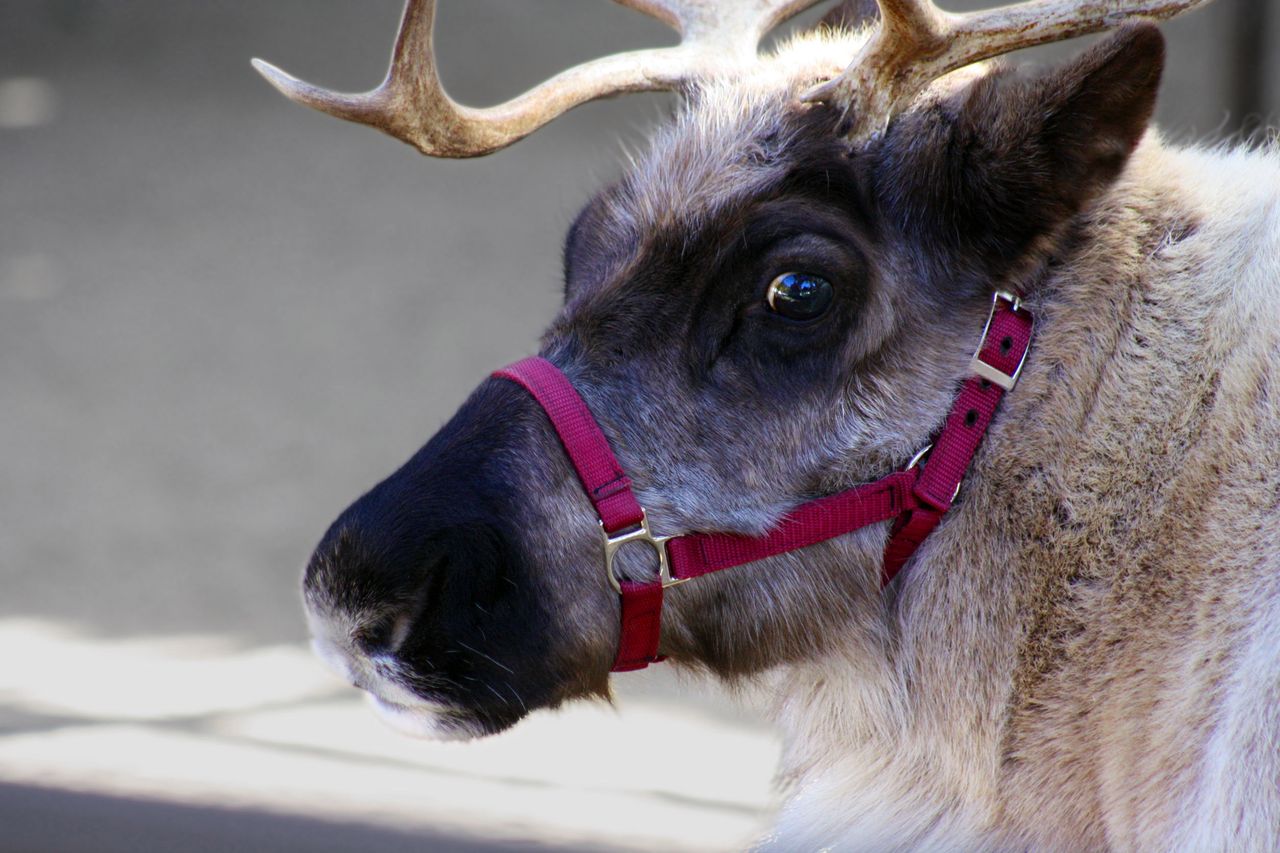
(1156, 520)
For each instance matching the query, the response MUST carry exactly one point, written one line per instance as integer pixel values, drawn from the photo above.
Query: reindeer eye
(799, 295)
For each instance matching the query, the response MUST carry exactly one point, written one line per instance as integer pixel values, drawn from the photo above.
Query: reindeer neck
(993, 599)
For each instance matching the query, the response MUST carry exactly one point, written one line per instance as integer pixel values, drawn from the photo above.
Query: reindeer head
(777, 301)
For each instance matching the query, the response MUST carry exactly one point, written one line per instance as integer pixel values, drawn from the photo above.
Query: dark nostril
(373, 638)
(386, 634)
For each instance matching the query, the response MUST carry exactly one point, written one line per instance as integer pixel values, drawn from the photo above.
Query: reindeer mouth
(393, 691)
(430, 720)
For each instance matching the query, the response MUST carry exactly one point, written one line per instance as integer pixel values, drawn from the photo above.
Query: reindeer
(1056, 629)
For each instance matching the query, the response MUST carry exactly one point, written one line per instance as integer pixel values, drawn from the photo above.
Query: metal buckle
(979, 367)
(919, 459)
(612, 544)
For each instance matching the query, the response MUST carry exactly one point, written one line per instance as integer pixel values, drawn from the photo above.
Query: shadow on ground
(49, 821)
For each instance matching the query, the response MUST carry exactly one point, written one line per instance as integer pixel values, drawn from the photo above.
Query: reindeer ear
(1008, 161)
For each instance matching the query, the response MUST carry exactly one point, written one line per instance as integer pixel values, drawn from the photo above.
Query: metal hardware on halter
(920, 457)
(613, 543)
(979, 367)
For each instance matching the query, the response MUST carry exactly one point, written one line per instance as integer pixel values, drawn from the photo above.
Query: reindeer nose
(365, 597)
(439, 527)
(394, 570)
(385, 633)
(416, 581)
(371, 581)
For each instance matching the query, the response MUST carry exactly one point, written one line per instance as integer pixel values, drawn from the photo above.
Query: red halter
(917, 497)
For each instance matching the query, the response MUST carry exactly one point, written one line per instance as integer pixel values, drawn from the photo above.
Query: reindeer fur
(1088, 655)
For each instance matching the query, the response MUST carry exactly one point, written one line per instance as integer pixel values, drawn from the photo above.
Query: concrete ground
(221, 318)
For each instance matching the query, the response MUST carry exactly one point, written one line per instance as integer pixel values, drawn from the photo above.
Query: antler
(917, 43)
(412, 106)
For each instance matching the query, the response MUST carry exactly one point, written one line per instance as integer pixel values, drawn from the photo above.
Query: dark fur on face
(474, 573)
(1009, 161)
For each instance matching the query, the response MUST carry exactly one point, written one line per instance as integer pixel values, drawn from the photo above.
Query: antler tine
(917, 43)
(412, 106)
(412, 73)
(912, 21)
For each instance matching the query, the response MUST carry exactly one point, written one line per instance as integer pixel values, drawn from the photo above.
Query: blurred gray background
(223, 316)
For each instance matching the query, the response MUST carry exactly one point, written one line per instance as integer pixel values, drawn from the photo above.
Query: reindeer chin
(431, 720)
(403, 709)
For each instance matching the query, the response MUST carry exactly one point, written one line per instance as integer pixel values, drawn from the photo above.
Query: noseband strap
(916, 498)
(609, 490)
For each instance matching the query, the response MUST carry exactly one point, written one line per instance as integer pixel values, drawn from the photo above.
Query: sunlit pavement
(197, 722)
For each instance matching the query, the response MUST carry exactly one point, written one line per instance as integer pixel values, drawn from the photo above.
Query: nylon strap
(641, 626)
(1004, 347)
(808, 524)
(606, 484)
(609, 490)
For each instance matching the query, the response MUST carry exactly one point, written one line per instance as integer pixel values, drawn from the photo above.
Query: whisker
(501, 698)
(516, 694)
(491, 660)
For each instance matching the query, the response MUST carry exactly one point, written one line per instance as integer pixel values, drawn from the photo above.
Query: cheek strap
(916, 498)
